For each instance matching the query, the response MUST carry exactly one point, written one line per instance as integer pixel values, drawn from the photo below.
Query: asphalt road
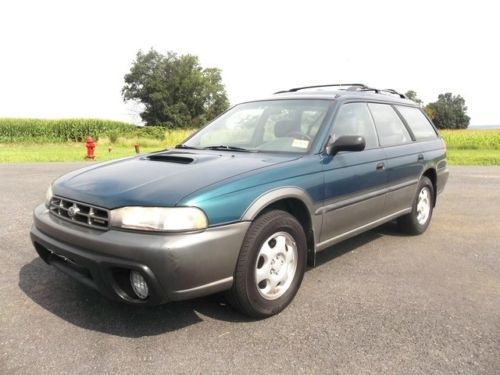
(378, 303)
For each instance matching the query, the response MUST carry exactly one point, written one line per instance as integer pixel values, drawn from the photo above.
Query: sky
(61, 59)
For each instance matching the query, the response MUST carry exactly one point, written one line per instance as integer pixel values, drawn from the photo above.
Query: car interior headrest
(283, 128)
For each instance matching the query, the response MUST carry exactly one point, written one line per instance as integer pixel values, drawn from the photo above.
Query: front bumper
(176, 266)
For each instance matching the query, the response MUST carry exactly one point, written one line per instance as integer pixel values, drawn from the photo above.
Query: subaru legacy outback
(244, 204)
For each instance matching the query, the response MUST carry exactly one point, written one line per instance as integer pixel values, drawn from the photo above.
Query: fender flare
(280, 193)
(271, 196)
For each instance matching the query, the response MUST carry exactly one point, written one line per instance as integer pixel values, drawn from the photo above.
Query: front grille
(80, 213)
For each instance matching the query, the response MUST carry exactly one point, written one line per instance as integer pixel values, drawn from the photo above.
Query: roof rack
(350, 87)
(295, 89)
(390, 91)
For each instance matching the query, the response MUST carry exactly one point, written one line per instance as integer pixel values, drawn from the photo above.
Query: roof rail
(390, 91)
(295, 89)
(350, 87)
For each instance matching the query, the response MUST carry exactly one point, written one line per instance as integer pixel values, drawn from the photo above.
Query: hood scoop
(171, 158)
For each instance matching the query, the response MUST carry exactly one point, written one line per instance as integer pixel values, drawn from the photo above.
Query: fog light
(139, 285)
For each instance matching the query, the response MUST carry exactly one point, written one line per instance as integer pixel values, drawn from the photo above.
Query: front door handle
(380, 166)
(420, 157)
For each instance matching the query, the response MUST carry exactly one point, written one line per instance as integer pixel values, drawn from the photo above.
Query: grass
(472, 147)
(484, 139)
(464, 147)
(31, 152)
(24, 152)
(473, 157)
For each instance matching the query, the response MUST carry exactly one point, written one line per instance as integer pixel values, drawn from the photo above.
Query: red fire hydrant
(90, 144)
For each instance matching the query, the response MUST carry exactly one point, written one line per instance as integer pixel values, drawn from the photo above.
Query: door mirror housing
(346, 143)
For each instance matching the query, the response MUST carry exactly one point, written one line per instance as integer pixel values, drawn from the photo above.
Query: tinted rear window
(419, 124)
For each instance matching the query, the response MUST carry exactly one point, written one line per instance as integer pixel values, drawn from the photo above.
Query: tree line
(175, 91)
(448, 112)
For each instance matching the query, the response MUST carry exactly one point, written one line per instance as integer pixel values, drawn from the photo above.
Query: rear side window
(390, 128)
(418, 123)
(355, 119)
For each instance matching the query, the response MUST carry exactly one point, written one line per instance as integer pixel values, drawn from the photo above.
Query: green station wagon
(245, 203)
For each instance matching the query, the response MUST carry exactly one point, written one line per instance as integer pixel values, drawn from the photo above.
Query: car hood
(158, 179)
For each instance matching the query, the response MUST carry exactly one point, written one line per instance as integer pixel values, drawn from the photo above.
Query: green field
(35, 140)
(25, 153)
(25, 140)
(473, 157)
(472, 147)
(36, 151)
(13, 130)
(481, 139)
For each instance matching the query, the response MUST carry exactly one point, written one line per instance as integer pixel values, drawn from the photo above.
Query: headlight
(48, 196)
(159, 219)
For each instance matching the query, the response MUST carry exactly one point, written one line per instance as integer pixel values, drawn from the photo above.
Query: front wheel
(271, 265)
(417, 221)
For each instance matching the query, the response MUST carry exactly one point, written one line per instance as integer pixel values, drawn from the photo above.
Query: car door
(354, 181)
(403, 157)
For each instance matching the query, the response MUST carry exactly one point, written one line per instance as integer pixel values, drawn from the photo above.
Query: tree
(412, 95)
(174, 89)
(449, 112)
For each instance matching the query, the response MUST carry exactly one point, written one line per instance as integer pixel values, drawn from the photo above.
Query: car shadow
(346, 246)
(86, 308)
(391, 229)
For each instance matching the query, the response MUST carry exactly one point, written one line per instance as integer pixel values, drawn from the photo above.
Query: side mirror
(346, 143)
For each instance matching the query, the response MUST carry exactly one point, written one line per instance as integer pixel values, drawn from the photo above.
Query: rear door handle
(420, 157)
(380, 166)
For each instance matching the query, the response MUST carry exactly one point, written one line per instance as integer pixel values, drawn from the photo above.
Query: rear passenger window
(355, 119)
(418, 123)
(390, 128)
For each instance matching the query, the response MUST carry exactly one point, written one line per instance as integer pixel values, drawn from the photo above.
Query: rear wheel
(417, 221)
(271, 265)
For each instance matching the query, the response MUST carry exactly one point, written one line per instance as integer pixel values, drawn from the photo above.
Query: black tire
(244, 295)
(409, 223)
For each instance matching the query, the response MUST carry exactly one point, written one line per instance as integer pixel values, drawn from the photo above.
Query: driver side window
(355, 119)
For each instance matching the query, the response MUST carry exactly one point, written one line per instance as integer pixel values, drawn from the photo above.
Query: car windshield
(274, 125)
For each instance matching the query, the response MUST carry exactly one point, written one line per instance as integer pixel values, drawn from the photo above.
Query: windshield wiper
(228, 148)
(186, 147)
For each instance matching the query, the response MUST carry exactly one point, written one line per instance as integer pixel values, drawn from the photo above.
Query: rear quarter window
(418, 123)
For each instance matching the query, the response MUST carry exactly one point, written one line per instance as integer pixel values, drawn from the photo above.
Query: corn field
(472, 139)
(72, 130)
(14, 130)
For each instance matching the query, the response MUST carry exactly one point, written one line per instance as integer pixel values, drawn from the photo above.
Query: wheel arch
(431, 174)
(295, 201)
